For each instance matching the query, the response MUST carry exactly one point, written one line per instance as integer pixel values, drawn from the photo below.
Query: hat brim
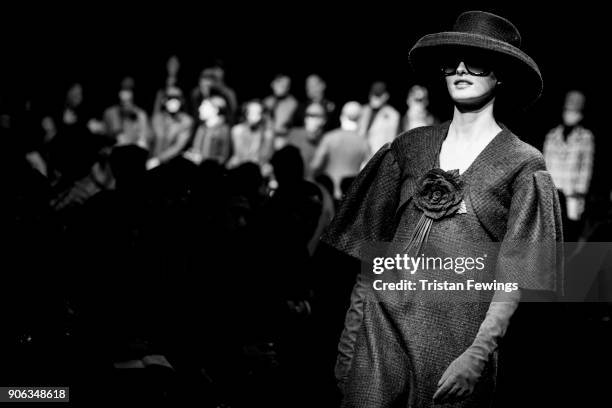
(522, 78)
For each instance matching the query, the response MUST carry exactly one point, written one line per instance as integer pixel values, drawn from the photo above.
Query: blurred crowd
(179, 242)
(208, 124)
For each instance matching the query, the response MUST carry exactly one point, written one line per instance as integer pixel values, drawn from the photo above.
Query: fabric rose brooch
(439, 194)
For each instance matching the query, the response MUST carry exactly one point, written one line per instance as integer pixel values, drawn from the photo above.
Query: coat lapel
(417, 152)
(489, 180)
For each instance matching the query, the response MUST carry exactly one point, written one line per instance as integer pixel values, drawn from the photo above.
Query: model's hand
(460, 378)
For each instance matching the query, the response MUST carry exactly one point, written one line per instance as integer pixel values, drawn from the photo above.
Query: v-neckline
(476, 159)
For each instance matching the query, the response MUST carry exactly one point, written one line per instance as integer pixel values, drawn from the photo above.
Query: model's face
(468, 89)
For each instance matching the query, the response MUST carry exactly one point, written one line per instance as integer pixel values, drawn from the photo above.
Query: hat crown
(488, 24)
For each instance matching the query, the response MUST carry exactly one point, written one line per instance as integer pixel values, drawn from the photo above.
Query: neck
(417, 110)
(214, 121)
(347, 124)
(473, 124)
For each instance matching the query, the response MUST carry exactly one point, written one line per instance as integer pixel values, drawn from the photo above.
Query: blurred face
(314, 119)
(75, 95)
(207, 110)
(417, 96)
(219, 73)
(173, 65)
(574, 101)
(254, 113)
(126, 96)
(471, 82)
(572, 110)
(281, 85)
(377, 101)
(173, 105)
(351, 111)
(205, 85)
(48, 125)
(315, 87)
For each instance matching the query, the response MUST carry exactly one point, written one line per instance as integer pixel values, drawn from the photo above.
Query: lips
(462, 82)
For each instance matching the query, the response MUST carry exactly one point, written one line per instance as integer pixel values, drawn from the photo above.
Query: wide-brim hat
(495, 37)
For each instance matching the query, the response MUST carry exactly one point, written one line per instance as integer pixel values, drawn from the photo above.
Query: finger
(442, 391)
(466, 392)
(444, 377)
(454, 394)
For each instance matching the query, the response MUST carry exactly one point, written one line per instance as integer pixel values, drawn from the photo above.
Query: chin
(470, 98)
(465, 100)
(465, 94)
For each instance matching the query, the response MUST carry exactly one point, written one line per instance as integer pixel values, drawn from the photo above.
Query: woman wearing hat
(467, 188)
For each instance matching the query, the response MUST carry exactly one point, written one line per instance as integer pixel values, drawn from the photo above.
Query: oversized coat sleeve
(365, 216)
(531, 252)
(367, 213)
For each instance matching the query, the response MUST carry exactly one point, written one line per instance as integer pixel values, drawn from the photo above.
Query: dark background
(350, 44)
(47, 47)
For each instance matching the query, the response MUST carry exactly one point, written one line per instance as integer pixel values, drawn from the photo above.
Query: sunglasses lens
(477, 68)
(475, 65)
(449, 67)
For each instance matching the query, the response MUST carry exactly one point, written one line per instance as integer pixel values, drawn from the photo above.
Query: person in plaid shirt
(568, 151)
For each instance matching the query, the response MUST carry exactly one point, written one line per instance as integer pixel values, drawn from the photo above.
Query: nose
(461, 69)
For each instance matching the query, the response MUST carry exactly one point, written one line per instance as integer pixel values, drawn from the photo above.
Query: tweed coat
(513, 200)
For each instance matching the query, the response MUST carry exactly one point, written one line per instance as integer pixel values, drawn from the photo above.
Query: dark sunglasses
(473, 66)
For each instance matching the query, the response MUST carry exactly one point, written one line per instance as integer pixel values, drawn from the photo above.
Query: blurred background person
(173, 66)
(125, 122)
(282, 107)
(342, 151)
(72, 139)
(417, 114)
(212, 139)
(569, 150)
(218, 71)
(379, 121)
(315, 93)
(290, 219)
(171, 129)
(212, 83)
(253, 138)
(69, 121)
(74, 113)
(308, 137)
(203, 90)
